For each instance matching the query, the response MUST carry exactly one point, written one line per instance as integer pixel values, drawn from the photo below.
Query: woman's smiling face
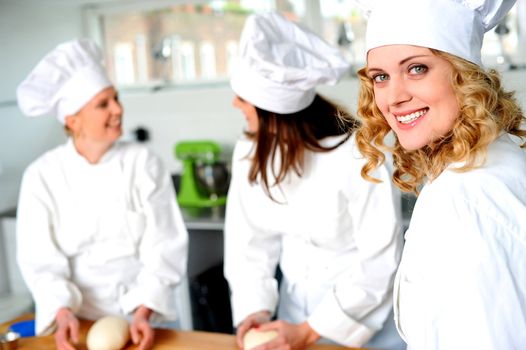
(99, 120)
(413, 90)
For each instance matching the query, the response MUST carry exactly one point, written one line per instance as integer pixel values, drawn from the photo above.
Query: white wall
(207, 113)
(31, 28)
(28, 29)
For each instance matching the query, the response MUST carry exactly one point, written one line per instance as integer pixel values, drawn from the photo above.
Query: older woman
(461, 282)
(99, 230)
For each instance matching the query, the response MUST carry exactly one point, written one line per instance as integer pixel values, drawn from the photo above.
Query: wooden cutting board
(164, 340)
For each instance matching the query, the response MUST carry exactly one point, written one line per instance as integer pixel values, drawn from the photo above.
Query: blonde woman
(458, 137)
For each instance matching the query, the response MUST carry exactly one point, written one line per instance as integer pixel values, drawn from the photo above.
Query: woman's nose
(116, 107)
(235, 101)
(398, 92)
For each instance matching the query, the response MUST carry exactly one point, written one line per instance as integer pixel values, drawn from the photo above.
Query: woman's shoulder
(350, 158)
(139, 161)
(135, 151)
(348, 148)
(504, 165)
(50, 159)
(243, 148)
(495, 191)
(130, 147)
(506, 151)
(342, 166)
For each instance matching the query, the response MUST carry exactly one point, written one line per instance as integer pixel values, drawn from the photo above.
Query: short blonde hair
(486, 110)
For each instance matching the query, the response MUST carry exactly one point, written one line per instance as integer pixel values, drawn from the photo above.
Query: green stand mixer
(205, 178)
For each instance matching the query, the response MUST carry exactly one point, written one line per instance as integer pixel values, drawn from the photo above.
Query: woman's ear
(70, 122)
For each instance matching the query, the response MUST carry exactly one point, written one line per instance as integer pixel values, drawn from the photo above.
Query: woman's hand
(252, 320)
(67, 328)
(290, 336)
(141, 332)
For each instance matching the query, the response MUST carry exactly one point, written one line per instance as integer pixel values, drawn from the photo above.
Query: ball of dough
(108, 333)
(254, 338)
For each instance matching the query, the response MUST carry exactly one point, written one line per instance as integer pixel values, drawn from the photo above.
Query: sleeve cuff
(156, 296)
(47, 307)
(329, 321)
(246, 301)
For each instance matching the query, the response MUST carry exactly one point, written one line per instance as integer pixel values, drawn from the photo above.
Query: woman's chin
(411, 145)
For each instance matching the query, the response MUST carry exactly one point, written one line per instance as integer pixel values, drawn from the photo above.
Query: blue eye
(418, 69)
(378, 78)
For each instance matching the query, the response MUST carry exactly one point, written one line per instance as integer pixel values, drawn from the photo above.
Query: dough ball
(108, 333)
(254, 338)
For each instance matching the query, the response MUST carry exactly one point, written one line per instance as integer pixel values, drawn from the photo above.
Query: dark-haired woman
(297, 200)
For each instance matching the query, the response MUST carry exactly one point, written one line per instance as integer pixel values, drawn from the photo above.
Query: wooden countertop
(164, 339)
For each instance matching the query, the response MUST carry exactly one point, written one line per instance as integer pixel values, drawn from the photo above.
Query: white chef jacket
(336, 237)
(462, 280)
(100, 238)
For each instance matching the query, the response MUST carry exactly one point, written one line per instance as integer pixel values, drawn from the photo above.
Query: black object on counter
(210, 299)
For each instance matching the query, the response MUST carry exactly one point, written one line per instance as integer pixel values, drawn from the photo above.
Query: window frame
(93, 13)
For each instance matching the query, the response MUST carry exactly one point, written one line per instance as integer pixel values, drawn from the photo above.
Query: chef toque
(63, 81)
(280, 64)
(453, 26)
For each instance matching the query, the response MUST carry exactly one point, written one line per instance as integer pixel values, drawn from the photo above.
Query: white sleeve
(251, 255)
(163, 248)
(361, 301)
(43, 265)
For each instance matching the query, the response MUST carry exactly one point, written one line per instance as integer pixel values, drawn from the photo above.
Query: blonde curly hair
(486, 110)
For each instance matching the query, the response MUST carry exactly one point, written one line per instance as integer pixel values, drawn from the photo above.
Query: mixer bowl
(212, 178)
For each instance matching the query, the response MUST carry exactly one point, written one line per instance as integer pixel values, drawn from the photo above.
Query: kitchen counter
(164, 340)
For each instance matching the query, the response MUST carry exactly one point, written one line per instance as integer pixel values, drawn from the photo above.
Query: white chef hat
(280, 64)
(64, 80)
(453, 26)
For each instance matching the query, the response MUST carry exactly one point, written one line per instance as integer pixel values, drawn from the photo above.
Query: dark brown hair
(290, 135)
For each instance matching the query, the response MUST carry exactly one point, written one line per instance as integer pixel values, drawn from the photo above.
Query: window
(208, 60)
(186, 42)
(171, 41)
